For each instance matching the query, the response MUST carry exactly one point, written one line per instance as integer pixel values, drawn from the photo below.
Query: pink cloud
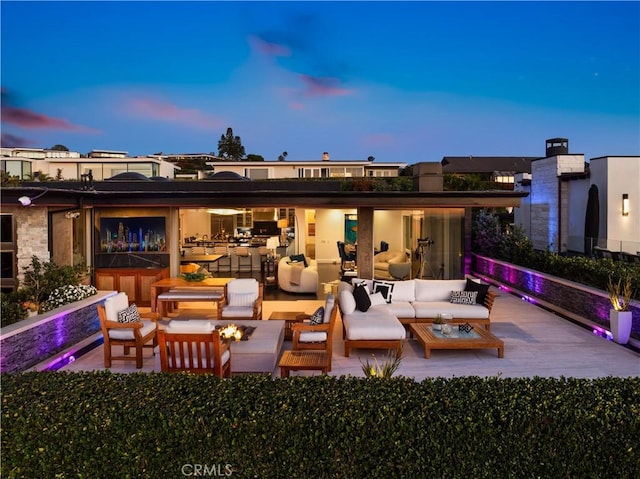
(29, 119)
(164, 111)
(13, 141)
(323, 86)
(269, 48)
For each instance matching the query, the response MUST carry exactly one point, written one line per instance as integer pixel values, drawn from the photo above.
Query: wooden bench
(174, 296)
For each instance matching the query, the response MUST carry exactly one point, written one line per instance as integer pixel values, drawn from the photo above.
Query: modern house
(558, 214)
(131, 229)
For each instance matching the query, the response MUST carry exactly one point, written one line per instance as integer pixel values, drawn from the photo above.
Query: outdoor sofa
(395, 304)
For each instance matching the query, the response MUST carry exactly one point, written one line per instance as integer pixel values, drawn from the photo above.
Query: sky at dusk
(399, 81)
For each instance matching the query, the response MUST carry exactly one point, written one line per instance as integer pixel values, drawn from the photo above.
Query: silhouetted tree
(59, 148)
(252, 157)
(230, 147)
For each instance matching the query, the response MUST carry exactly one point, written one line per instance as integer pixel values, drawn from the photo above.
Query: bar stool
(225, 261)
(244, 257)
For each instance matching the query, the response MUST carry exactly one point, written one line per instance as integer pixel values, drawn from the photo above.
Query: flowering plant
(390, 366)
(68, 294)
(30, 306)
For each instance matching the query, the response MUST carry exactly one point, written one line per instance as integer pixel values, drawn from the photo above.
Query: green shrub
(514, 247)
(149, 425)
(45, 285)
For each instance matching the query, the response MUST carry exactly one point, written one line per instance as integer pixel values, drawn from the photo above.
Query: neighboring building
(554, 214)
(500, 170)
(326, 168)
(71, 165)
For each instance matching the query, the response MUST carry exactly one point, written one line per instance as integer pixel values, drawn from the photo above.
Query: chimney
(325, 156)
(557, 146)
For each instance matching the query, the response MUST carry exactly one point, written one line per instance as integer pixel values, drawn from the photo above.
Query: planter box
(578, 301)
(38, 338)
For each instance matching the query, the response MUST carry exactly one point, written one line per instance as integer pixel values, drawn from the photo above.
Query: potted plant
(620, 294)
(438, 321)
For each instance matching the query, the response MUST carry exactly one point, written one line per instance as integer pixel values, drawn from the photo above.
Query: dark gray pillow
(361, 296)
(482, 290)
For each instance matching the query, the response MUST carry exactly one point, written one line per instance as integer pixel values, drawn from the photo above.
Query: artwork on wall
(350, 229)
(122, 235)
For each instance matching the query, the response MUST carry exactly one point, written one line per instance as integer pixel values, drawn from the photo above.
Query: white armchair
(301, 280)
(242, 300)
(134, 333)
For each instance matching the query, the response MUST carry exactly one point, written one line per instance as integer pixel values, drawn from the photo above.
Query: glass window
(6, 228)
(6, 265)
(257, 173)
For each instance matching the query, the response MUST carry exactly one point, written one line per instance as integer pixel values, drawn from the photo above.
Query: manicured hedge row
(159, 425)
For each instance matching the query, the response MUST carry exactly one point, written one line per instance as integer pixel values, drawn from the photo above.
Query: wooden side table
(289, 317)
(269, 270)
(304, 360)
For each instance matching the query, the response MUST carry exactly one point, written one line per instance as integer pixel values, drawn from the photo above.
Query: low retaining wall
(567, 297)
(38, 338)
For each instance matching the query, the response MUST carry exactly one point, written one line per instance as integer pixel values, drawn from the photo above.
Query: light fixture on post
(625, 204)
(283, 224)
(28, 201)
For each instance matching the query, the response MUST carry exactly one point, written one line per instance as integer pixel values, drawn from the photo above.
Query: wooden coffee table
(478, 338)
(300, 360)
(289, 317)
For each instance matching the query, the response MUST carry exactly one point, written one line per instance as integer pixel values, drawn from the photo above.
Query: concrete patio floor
(537, 343)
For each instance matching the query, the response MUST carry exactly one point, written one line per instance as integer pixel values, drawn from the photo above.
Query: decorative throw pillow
(347, 301)
(464, 297)
(385, 288)
(129, 315)
(377, 299)
(361, 296)
(318, 316)
(299, 257)
(482, 290)
(360, 282)
(242, 299)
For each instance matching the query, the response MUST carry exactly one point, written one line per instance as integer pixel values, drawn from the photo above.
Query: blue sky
(400, 81)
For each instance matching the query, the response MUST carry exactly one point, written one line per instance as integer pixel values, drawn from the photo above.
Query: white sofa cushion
(312, 336)
(194, 326)
(402, 309)
(347, 301)
(114, 304)
(438, 289)
(403, 290)
(430, 309)
(243, 285)
(237, 312)
(329, 304)
(375, 324)
(127, 333)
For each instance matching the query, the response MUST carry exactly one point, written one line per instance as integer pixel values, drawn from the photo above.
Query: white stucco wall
(622, 175)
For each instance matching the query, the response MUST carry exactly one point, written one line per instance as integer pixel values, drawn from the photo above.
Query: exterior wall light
(625, 204)
(28, 201)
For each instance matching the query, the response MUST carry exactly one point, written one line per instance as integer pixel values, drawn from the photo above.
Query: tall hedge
(162, 425)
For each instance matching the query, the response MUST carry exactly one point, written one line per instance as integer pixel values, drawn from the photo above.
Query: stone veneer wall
(577, 299)
(32, 236)
(36, 339)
